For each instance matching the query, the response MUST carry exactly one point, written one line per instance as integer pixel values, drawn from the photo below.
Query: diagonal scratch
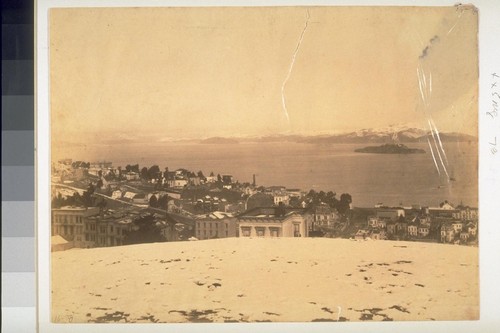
(439, 139)
(283, 100)
(430, 85)
(456, 22)
(425, 87)
(433, 157)
(420, 86)
(437, 149)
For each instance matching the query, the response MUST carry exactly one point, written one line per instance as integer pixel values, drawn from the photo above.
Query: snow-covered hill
(251, 280)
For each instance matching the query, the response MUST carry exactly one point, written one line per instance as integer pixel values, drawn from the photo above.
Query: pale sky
(202, 72)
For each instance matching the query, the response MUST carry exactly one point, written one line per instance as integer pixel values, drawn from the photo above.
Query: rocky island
(390, 149)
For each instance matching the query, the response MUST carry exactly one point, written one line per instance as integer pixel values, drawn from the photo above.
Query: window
(260, 231)
(245, 231)
(296, 230)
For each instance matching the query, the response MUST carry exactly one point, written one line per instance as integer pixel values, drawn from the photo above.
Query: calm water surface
(369, 178)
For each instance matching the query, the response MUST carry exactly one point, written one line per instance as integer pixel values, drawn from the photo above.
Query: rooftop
(267, 212)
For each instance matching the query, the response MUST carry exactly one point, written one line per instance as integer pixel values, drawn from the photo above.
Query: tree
(163, 201)
(295, 202)
(153, 172)
(322, 196)
(201, 175)
(153, 202)
(280, 210)
(344, 204)
(101, 204)
(132, 168)
(331, 200)
(144, 173)
(58, 201)
(147, 232)
(86, 199)
(110, 176)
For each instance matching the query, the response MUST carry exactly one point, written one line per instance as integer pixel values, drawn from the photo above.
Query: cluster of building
(84, 227)
(252, 212)
(446, 224)
(88, 227)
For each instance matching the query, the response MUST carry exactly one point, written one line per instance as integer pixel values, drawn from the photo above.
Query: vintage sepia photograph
(263, 164)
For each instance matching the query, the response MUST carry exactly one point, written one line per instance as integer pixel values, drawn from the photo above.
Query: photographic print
(264, 164)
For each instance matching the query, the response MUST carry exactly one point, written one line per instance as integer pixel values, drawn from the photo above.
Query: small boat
(452, 179)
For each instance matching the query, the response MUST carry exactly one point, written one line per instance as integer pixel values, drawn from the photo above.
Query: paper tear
(283, 99)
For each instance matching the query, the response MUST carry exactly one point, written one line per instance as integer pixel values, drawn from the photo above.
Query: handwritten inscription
(493, 146)
(493, 112)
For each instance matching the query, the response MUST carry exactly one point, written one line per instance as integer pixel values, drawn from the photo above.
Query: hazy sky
(201, 72)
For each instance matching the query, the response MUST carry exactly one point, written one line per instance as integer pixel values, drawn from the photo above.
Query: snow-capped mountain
(392, 134)
(387, 135)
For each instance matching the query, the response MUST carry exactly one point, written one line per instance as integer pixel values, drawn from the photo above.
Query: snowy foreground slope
(294, 279)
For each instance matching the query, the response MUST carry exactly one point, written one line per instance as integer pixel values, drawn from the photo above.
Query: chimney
(254, 182)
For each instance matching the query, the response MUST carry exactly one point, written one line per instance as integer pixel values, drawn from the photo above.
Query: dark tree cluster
(87, 199)
(132, 168)
(159, 202)
(80, 164)
(329, 198)
(147, 232)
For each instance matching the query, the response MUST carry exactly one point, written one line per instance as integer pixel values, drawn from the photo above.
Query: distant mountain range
(388, 135)
(219, 140)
